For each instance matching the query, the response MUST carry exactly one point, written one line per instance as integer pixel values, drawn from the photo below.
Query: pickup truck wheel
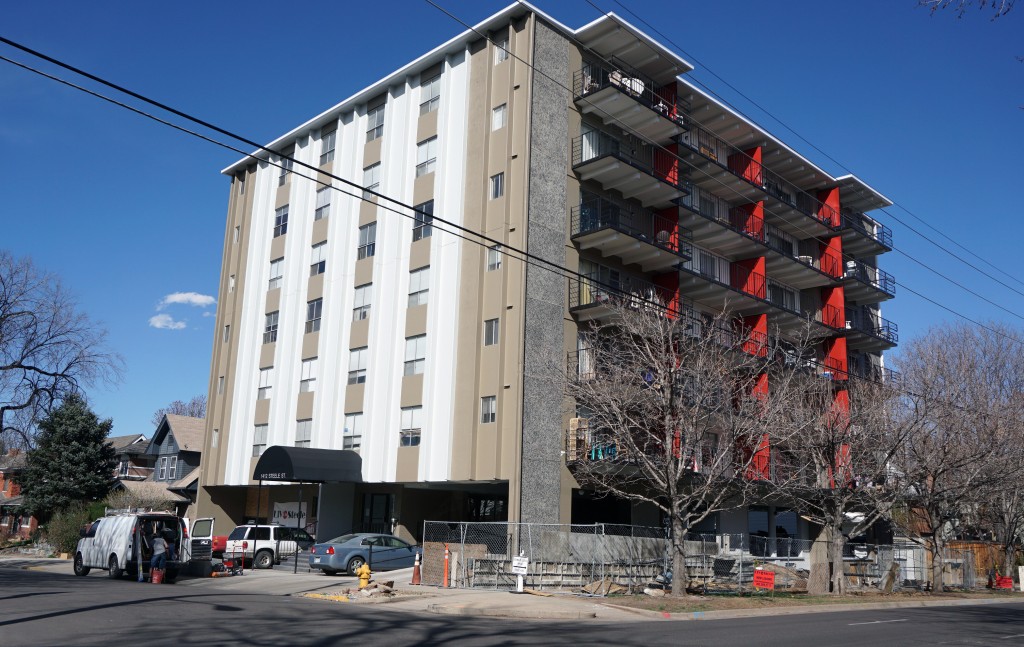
(80, 568)
(354, 564)
(113, 570)
(263, 559)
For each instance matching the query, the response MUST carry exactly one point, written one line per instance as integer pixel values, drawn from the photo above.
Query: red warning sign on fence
(764, 579)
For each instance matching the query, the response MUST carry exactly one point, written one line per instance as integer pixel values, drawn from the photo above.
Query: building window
(352, 434)
(493, 258)
(216, 437)
(281, 221)
(500, 50)
(426, 156)
(276, 272)
(430, 94)
(259, 440)
(498, 117)
(237, 232)
(286, 168)
(491, 332)
(231, 283)
(375, 123)
(357, 365)
(270, 328)
(367, 241)
(423, 220)
(220, 385)
(415, 354)
(497, 186)
(327, 147)
(240, 179)
(361, 304)
(314, 309)
(371, 180)
(172, 468)
(488, 409)
(318, 259)
(162, 470)
(303, 432)
(323, 203)
(412, 424)
(307, 376)
(419, 286)
(265, 384)
(227, 333)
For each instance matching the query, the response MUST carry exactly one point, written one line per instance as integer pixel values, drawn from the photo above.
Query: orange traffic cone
(416, 571)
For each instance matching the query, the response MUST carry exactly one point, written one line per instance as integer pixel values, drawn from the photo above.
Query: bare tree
(838, 461)
(144, 494)
(196, 408)
(675, 409)
(965, 383)
(48, 348)
(999, 7)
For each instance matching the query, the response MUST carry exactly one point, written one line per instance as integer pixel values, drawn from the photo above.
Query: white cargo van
(120, 544)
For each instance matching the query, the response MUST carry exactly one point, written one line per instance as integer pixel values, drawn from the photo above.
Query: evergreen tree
(72, 461)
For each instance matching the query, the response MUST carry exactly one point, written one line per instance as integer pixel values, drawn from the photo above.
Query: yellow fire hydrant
(363, 572)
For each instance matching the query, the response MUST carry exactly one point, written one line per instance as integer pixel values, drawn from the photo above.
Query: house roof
(123, 442)
(11, 500)
(12, 460)
(188, 431)
(152, 488)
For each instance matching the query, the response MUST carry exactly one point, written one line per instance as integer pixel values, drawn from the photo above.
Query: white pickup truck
(262, 545)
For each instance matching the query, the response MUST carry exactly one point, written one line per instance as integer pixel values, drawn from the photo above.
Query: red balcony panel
(832, 256)
(748, 276)
(667, 286)
(828, 210)
(747, 165)
(668, 95)
(668, 221)
(843, 472)
(749, 219)
(755, 332)
(836, 361)
(833, 306)
(757, 462)
(666, 163)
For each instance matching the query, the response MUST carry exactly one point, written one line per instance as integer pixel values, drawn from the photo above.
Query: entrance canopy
(308, 465)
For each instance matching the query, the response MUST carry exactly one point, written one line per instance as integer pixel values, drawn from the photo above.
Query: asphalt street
(41, 608)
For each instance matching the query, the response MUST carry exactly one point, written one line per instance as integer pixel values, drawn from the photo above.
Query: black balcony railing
(860, 365)
(613, 288)
(876, 278)
(867, 227)
(871, 324)
(595, 213)
(743, 166)
(594, 77)
(640, 154)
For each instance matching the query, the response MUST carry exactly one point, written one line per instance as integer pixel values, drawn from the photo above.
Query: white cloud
(210, 313)
(165, 322)
(187, 298)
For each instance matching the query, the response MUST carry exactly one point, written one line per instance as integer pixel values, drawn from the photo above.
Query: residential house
(12, 520)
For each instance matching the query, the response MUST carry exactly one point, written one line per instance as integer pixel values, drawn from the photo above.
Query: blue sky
(924, 108)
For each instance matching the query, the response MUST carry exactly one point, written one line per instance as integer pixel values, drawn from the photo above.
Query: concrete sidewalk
(476, 602)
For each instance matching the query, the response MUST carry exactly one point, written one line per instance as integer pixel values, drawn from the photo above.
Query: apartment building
(422, 363)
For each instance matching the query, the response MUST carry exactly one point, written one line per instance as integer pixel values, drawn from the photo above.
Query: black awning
(280, 463)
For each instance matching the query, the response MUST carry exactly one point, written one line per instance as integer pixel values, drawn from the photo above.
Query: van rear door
(202, 540)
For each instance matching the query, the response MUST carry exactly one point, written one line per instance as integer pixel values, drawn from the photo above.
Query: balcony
(598, 294)
(866, 284)
(731, 230)
(733, 172)
(867, 331)
(629, 101)
(634, 235)
(711, 279)
(863, 366)
(863, 236)
(631, 166)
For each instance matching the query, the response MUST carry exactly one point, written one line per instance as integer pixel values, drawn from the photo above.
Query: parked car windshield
(341, 540)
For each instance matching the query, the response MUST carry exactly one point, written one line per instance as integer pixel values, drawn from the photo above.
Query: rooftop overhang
(308, 465)
(613, 38)
(857, 195)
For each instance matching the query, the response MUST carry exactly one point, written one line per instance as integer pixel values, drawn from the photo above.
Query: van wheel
(113, 570)
(263, 559)
(80, 568)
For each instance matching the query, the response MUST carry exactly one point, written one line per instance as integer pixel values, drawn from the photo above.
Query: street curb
(506, 612)
(728, 614)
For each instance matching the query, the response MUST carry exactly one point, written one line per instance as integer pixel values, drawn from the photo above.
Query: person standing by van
(159, 559)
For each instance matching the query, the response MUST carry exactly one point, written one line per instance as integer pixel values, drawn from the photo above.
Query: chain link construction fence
(602, 558)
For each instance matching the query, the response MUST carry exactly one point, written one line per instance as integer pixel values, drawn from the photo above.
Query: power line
(832, 159)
